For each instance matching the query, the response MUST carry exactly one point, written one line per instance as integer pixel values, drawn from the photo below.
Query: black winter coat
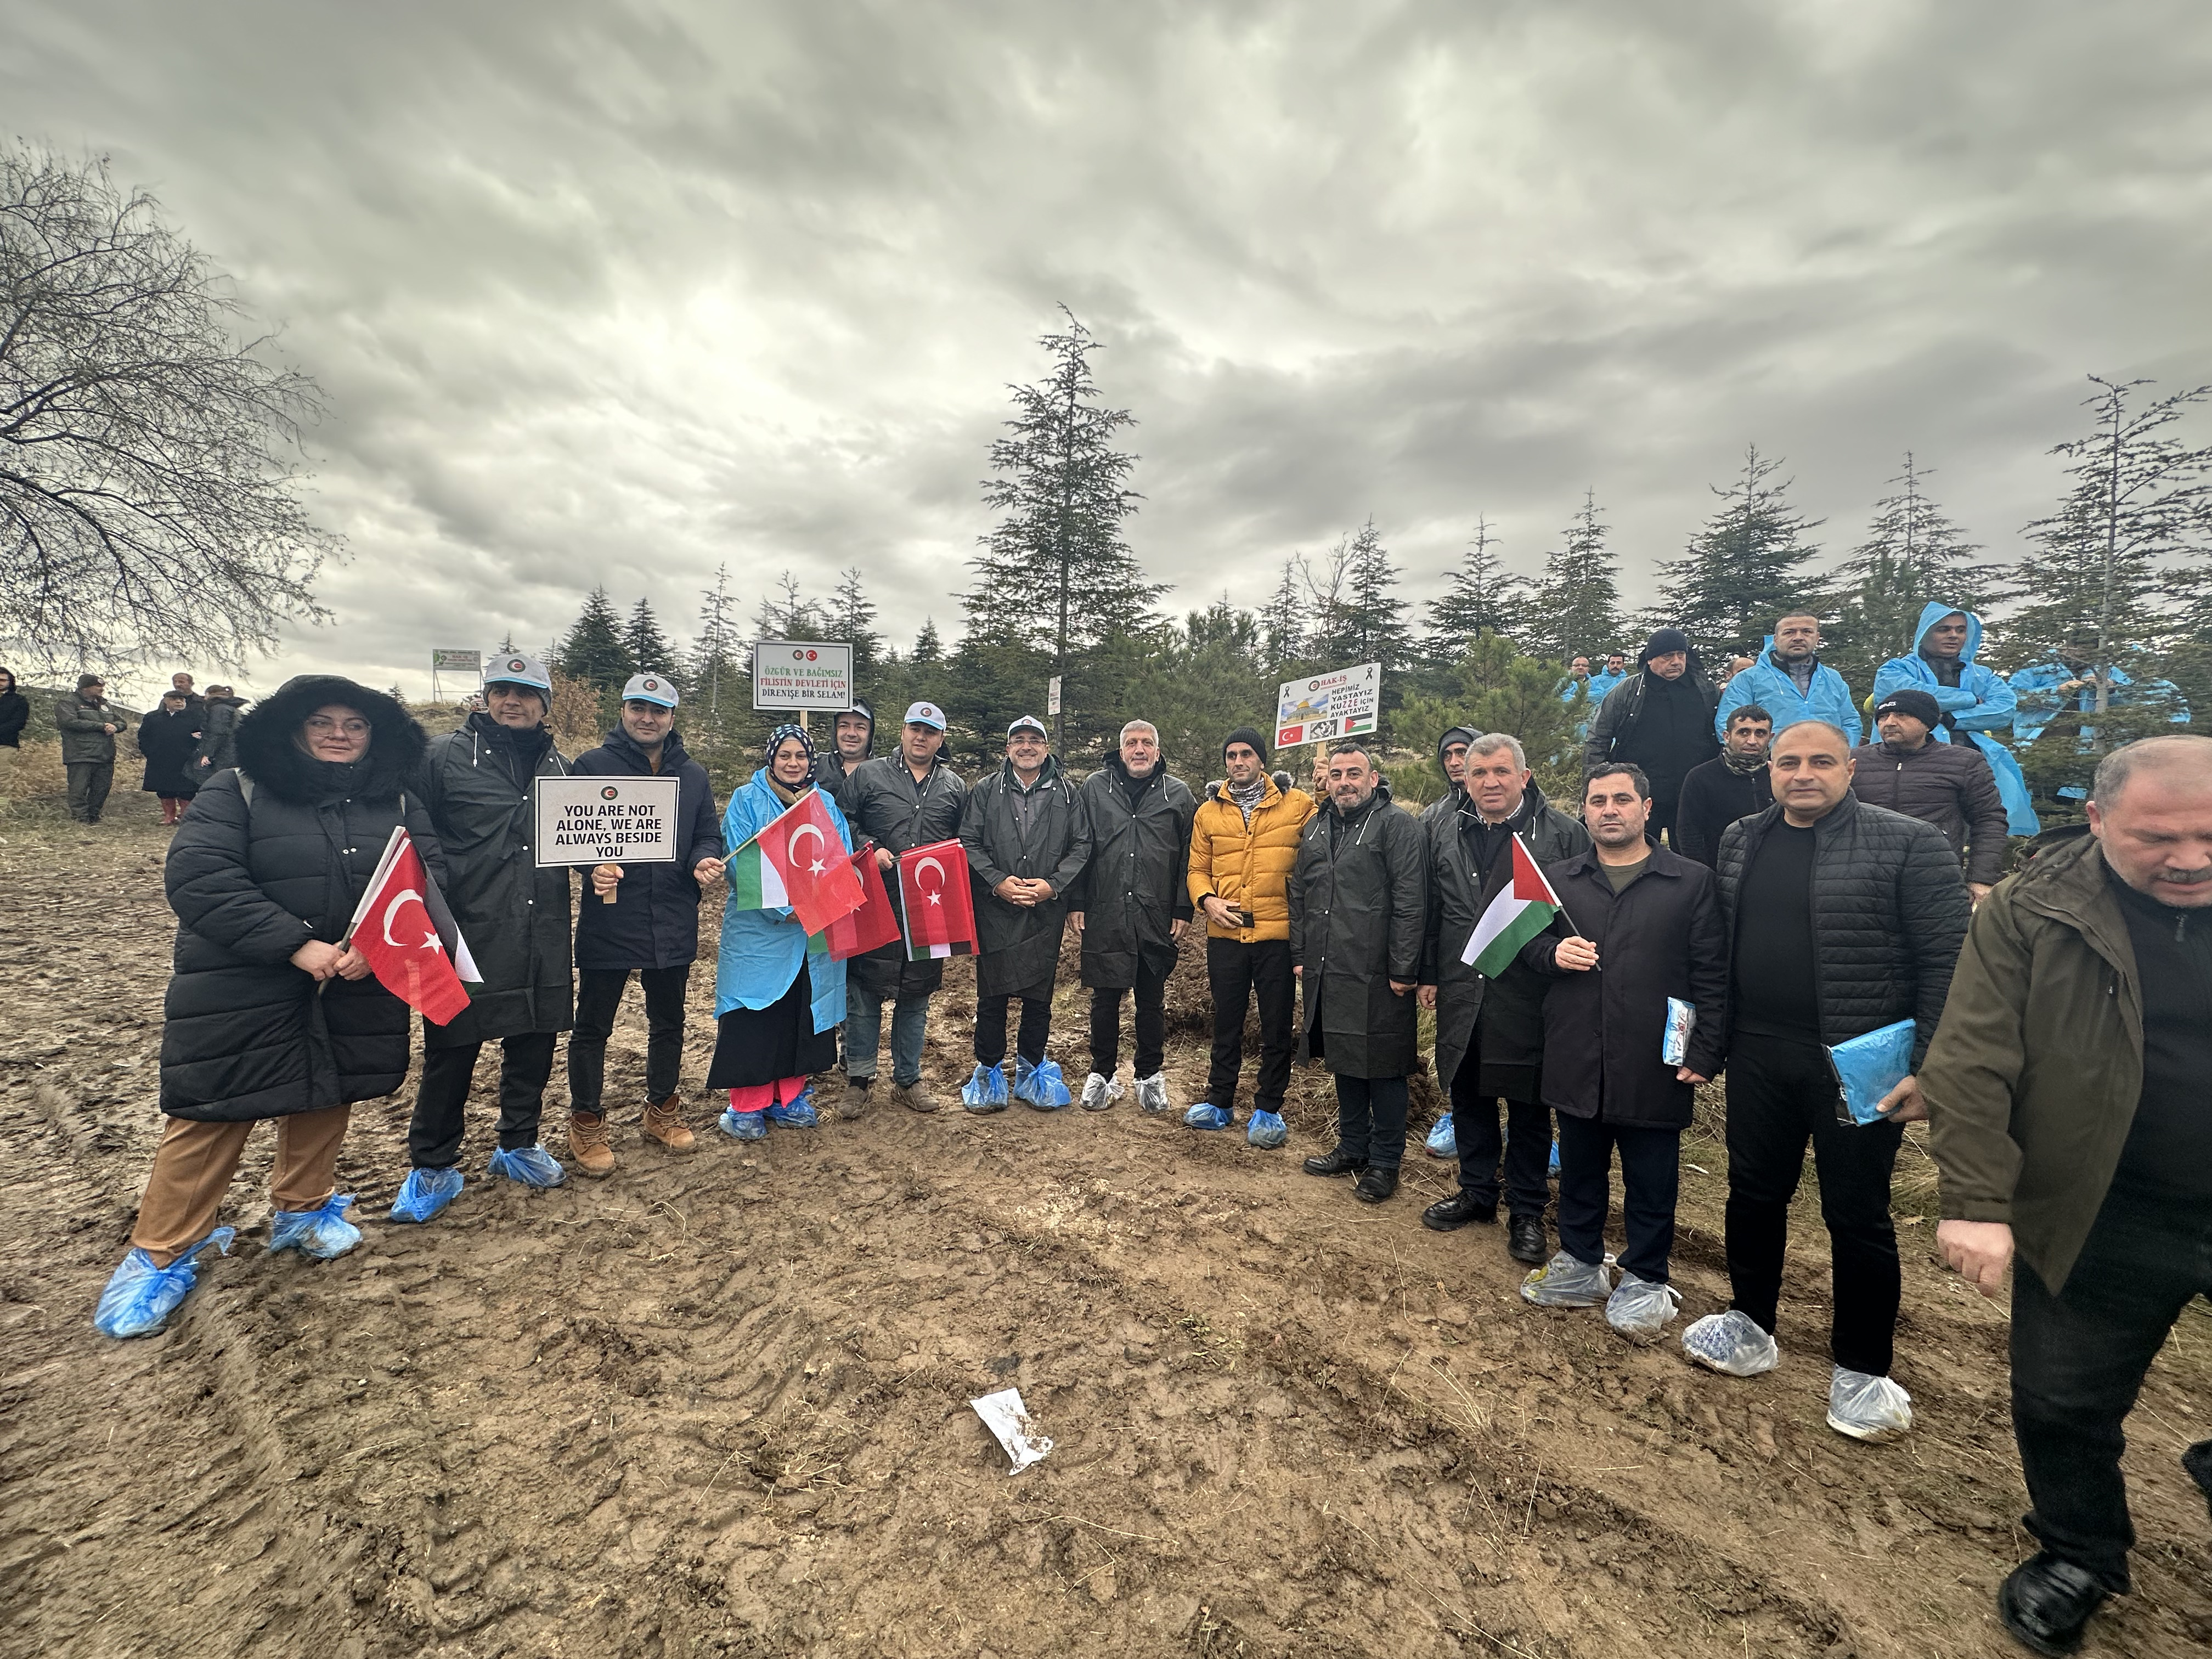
(15, 715)
(1889, 914)
(1358, 895)
(245, 1034)
(477, 783)
(831, 771)
(166, 741)
(1665, 726)
(1713, 798)
(1603, 1029)
(1948, 785)
(218, 731)
(1137, 882)
(1020, 944)
(882, 803)
(1509, 1010)
(654, 920)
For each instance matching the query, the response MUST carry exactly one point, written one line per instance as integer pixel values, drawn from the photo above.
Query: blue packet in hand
(1869, 1066)
(1674, 1041)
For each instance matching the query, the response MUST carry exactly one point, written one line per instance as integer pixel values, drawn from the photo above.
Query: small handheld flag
(935, 893)
(797, 860)
(413, 945)
(1524, 906)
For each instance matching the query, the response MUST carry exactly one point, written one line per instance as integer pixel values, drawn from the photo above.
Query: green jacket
(2033, 1077)
(83, 727)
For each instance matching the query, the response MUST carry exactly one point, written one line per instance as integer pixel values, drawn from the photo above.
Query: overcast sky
(620, 294)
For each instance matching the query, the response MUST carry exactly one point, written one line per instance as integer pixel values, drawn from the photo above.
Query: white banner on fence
(1325, 707)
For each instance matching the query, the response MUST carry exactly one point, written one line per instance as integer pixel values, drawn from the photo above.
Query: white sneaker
(1639, 1310)
(1731, 1343)
(1563, 1282)
(1152, 1092)
(1098, 1093)
(1867, 1408)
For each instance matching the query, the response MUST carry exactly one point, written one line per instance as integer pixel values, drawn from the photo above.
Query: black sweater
(1713, 798)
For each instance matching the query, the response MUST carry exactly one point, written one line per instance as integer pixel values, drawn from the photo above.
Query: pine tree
(785, 613)
(716, 668)
(1282, 625)
(1478, 593)
(1912, 554)
(648, 647)
(592, 649)
(1575, 609)
(1744, 568)
(851, 617)
(928, 646)
(1371, 619)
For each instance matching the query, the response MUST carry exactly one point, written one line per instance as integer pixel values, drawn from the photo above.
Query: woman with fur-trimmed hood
(267, 1016)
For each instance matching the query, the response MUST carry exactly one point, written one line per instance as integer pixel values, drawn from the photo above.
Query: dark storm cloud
(622, 295)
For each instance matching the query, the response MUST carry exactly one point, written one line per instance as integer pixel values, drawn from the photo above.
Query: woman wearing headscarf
(777, 1004)
(270, 1012)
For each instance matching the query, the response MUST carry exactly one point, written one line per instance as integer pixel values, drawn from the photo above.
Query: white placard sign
(1323, 707)
(802, 674)
(605, 821)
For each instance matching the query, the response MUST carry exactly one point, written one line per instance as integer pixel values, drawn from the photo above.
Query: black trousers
(2078, 1360)
(1029, 1041)
(434, 1136)
(1152, 1022)
(1526, 1144)
(1235, 973)
(1780, 1095)
(598, 996)
(1371, 1119)
(1651, 1179)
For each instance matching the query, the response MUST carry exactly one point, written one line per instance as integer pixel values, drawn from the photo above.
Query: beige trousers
(195, 1162)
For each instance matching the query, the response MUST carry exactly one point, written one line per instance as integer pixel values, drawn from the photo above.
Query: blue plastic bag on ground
(1869, 1066)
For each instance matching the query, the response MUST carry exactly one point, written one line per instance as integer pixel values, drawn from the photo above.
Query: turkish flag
(397, 928)
(809, 855)
(934, 891)
(875, 924)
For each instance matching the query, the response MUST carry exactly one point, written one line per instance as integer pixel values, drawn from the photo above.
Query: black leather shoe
(2047, 1601)
(1375, 1186)
(1525, 1240)
(2197, 1460)
(1334, 1162)
(1447, 1214)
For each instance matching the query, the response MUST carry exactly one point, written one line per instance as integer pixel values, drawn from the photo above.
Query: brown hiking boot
(914, 1096)
(664, 1122)
(854, 1103)
(588, 1143)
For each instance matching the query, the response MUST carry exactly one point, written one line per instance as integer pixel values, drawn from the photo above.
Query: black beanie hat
(1918, 704)
(1246, 734)
(1664, 640)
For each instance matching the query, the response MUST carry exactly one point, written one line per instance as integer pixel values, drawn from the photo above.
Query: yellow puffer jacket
(1247, 868)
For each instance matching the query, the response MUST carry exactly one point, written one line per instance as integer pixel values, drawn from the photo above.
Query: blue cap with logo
(651, 688)
(512, 668)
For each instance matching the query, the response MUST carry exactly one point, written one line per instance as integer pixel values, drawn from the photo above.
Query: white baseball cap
(1029, 723)
(512, 668)
(651, 688)
(925, 713)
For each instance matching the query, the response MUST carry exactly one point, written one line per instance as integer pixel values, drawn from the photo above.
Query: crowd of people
(1741, 887)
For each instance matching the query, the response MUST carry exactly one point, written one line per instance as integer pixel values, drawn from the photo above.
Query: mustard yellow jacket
(1248, 867)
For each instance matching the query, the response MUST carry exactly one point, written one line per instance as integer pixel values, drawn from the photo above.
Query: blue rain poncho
(761, 950)
(1981, 705)
(1768, 685)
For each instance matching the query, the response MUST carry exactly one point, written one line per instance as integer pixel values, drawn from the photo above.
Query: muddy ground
(719, 1406)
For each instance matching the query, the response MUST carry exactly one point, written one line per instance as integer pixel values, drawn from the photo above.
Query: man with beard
(854, 739)
(2066, 1103)
(1791, 680)
(1974, 703)
(1027, 840)
(1358, 896)
(642, 919)
(1130, 908)
(1490, 1033)
(1660, 721)
(1948, 784)
(1732, 787)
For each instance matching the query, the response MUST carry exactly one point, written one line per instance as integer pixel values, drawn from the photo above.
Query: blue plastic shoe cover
(1206, 1115)
(798, 1114)
(1266, 1129)
(533, 1166)
(1554, 1168)
(424, 1193)
(986, 1090)
(140, 1297)
(1443, 1141)
(743, 1126)
(322, 1233)
(1041, 1085)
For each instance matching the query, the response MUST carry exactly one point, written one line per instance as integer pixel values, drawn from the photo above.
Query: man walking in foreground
(1359, 896)
(2066, 1098)
(1244, 841)
(1844, 919)
(1734, 786)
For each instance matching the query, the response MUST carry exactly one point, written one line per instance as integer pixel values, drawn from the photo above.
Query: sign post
(1342, 703)
(455, 662)
(802, 674)
(1052, 709)
(587, 821)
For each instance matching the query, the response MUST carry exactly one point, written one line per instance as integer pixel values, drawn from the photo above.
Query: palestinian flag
(799, 861)
(1524, 906)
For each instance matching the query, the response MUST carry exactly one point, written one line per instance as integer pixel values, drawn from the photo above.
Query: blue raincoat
(1769, 686)
(2033, 689)
(761, 950)
(1567, 688)
(1603, 682)
(1981, 705)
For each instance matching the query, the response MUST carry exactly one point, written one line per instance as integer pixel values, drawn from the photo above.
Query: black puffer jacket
(515, 915)
(1137, 883)
(1358, 894)
(1020, 944)
(245, 1034)
(1889, 914)
(654, 920)
(882, 803)
(829, 769)
(1511, 1008)
(1948, 785)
